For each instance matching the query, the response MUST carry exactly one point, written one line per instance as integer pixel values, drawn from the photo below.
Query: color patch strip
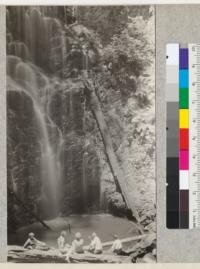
(184, 209)
(172, 135)
(183, 78)
(184, 197)
(183, 58)
(183, 98)
(184, 160)
(183, 118)
(184, 180)
(183, 139)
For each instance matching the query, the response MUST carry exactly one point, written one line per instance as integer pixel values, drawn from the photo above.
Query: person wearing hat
(77, 246)
(117, 245)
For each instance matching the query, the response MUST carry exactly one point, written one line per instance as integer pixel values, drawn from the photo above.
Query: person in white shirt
(96, 245)
(77, 246)
(117, 245)
(90, 247)
(61, 240)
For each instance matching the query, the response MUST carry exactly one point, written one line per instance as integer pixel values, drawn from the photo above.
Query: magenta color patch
(184, 160)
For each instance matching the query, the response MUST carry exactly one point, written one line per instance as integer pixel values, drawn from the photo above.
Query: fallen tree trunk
(143, 251)
(19, 254)
(107, 141)
(29, 211)
(126, 240)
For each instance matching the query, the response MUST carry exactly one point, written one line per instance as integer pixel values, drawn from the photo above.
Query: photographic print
(81, 134)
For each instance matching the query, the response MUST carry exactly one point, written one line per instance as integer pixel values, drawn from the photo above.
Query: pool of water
(104, 225)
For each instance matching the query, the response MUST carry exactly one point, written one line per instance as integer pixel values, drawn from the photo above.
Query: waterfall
(24, 59)
(34, 62)
(85, 61)
(19, 49)
(84, 164)
(49, 173)
(25, 79)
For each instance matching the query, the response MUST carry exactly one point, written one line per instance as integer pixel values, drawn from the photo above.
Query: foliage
(129, 54)
(105, 21)
(121, 53)
(127, 92)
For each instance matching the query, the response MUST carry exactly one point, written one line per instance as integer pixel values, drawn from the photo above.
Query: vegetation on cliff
(112, 47)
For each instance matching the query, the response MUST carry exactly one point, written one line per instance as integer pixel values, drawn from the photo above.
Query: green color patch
(183, 98)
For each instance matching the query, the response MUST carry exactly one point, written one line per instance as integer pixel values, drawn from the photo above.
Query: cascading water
(27, 77)
(34, 66)
(25, 80)
(19, 49)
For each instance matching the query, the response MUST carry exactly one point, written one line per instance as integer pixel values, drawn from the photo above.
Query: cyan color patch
(183, 78)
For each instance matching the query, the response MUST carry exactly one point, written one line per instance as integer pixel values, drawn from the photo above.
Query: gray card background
(178, 24)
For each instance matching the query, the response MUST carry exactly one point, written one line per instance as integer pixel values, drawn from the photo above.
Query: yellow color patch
(183, 118)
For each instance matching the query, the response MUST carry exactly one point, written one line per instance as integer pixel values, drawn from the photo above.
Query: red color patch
(184, 138)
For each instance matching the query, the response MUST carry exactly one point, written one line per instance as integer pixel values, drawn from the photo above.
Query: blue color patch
(183, 78)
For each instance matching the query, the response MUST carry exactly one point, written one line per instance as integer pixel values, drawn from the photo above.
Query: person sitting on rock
(77, 246)
(89, 247)
(33, 243)
(61, 241)
(96, 245)
(117, 245)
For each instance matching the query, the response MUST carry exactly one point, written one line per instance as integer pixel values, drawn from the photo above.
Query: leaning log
(19, 255)
(126, 240)
(29, 211)
(109, 151)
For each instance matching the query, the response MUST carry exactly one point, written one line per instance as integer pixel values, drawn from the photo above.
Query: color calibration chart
(183, 136)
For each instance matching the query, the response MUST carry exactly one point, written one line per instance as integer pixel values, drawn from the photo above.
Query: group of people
(77, 246)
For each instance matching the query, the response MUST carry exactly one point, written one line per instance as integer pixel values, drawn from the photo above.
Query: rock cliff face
(56, 159)
(23, 155)
(47, 120)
